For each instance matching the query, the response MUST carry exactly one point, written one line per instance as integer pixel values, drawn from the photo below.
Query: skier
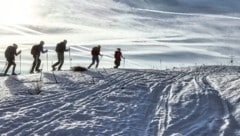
(60, 49)
(118, 56)
(95, 53)
(10, 54)
(36, 51)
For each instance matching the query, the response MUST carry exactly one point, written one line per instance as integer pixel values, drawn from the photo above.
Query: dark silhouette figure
(36, 51)
(95, 56)
(118, 56)
(10, 54)
(60, 49)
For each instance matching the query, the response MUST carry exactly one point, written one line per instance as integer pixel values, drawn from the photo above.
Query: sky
(147, 30)
(106, 20)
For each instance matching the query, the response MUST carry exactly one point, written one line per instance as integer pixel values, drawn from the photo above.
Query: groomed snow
(200, 101)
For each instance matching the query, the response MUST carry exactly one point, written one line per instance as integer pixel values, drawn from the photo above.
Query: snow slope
(200, 101)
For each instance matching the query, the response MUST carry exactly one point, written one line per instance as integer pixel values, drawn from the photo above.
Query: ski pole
(47, 60)
(54, 76)
(20, 57)
(160, 64)
(5, 66)
(101, 57)
(70, 59)
(41, 74)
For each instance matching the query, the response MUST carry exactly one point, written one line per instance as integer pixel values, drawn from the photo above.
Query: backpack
(9, 52)
(118, 55)
(34, 50)
(60, 47)
(95, 51)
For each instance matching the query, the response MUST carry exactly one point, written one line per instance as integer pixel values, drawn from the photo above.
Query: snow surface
(193, 101)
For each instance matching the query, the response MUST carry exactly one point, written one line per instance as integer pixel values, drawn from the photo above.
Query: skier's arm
(41, 49)
(100, 54)
(67, 49)
(44, 51)
(18, 52)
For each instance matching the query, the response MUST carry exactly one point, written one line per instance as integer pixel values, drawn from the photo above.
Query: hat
(41, 42)
(15, 45)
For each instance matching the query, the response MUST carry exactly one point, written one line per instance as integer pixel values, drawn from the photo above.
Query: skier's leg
(33, 64)
(97, 60)
(117, 62)
(13, 69)
(93, 62)
(38, 64)
(8, 66)
(61, 61)
(57, 63)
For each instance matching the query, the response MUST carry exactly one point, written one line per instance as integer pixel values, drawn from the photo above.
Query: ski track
(119, 102)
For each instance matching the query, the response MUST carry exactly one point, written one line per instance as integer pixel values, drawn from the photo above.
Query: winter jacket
(37, 49)
(118, 55)
(95, 51)
(61, 47)
(10, 52)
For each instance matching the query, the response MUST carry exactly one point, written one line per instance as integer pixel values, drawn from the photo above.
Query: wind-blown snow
(192, 101)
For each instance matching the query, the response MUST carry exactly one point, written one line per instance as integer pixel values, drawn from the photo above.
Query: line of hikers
(37, 49)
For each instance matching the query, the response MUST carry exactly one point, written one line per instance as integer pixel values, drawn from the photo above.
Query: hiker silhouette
(118, 56)
(36, 52)
(60, 49)
(95, 56)
(10, 54)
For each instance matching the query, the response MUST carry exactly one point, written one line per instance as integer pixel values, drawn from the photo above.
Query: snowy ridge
(193, 101)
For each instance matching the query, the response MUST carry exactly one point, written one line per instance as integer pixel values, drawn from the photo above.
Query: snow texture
(199, 101)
